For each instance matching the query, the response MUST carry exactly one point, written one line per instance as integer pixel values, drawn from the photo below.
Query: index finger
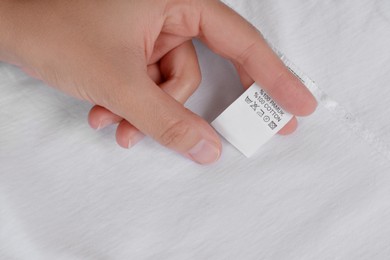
(231, 36)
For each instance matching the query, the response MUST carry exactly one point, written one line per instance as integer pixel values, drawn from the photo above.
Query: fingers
(128, 135)
(100, 117)
(165, 119)
(181, 69)
(242, 43)
(158, 115)
(165, 43)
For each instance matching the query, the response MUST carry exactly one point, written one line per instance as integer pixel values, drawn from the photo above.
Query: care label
(251, 120)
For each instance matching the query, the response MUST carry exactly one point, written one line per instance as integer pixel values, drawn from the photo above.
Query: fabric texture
(68, 192)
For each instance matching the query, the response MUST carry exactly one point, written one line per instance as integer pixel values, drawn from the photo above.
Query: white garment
(68, 192)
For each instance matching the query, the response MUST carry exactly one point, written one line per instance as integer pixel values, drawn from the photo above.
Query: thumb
(156, 114)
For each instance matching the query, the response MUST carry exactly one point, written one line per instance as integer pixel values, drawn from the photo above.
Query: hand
(134, 59)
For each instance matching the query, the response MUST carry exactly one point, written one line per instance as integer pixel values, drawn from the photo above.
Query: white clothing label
(251, 120)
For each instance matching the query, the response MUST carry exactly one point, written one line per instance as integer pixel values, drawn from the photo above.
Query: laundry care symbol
(260, 113)
(272, 125)
(248, 100)
(266, 119)
(255, 106)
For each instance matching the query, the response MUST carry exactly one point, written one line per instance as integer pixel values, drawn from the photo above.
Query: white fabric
(68, 192)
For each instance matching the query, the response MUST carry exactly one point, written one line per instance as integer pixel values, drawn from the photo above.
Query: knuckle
(191, 84)
(247, 54)
(183, 17)
(175, 133)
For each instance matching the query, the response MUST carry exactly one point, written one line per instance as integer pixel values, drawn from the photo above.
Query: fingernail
(205, 152)
(104, 123)
(135, 139)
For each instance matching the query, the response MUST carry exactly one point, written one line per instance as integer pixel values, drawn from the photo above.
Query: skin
(135, 62)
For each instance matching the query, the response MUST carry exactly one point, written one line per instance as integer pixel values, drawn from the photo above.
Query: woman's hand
(135, 61)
